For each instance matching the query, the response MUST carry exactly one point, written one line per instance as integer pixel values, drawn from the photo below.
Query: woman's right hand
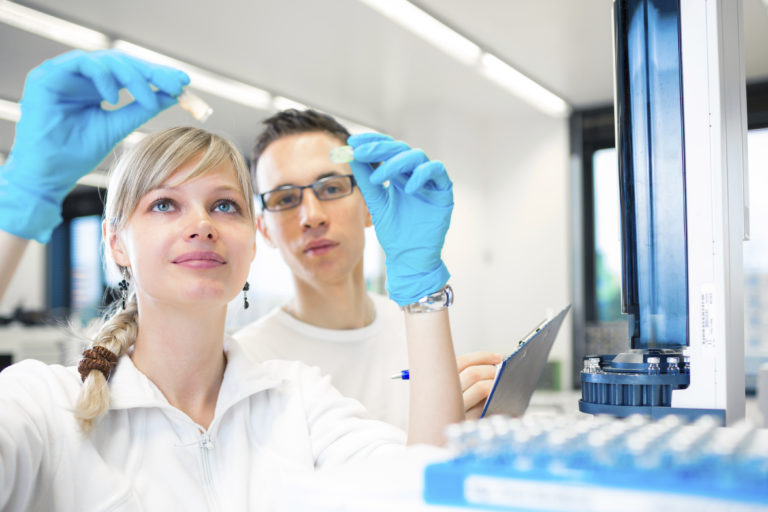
(65, 132)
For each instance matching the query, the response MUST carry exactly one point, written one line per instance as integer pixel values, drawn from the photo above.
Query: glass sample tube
(342, 154)
(195, 105)
(672, 365)
(591, 365)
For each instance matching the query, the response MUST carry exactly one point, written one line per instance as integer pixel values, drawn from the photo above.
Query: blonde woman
(164, 412)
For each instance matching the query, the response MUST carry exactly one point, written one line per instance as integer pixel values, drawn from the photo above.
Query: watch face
(433, 302)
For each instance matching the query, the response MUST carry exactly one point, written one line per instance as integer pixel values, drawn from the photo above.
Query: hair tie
(97, 358)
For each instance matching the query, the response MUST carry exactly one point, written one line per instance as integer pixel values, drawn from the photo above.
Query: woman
(163, 411)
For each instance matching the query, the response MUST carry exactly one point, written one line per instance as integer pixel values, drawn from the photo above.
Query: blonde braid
(116, 334)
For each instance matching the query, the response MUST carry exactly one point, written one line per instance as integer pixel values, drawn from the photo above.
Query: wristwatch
(433, 302)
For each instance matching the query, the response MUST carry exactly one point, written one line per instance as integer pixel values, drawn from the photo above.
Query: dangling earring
(123, 285)
(245, 296)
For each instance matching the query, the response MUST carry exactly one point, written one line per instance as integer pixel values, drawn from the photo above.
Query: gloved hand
(64, 132)
(411, 215)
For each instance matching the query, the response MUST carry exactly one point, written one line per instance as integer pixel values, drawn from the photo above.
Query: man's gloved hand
(64, 132)
(411, 215)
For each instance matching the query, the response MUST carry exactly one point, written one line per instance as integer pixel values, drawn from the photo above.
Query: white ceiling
(342, 57)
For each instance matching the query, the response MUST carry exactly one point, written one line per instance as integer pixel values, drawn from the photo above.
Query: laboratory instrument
(681, 137)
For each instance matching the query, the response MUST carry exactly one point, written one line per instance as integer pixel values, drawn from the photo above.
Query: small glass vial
(672, 365)
(591, 365)
(687, 364)
(453, 439)
(195, 105)
(653, 365)
(342, 154)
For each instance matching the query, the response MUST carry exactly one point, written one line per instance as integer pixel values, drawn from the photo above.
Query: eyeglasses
(290, 196)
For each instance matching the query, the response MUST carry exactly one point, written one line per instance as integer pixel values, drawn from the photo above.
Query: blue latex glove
(64, 132)
(411, 215)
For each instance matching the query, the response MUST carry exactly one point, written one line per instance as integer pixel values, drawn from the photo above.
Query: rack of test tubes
(600, 463)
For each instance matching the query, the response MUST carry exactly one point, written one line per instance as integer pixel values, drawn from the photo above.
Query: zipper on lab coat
(206, 445)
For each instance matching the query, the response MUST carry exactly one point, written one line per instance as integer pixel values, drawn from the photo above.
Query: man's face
(321, 241)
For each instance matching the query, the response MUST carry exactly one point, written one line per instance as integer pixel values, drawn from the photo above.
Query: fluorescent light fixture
(95, 179)
(10, 110)
(454, 44)
(134, 138)
(520, 85)
(51, 27)
(204, 80)
(77, 36)
(428, 28)
(283, 103)
(353, 127)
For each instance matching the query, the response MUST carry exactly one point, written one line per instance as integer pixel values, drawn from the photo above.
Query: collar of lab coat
(243, 377)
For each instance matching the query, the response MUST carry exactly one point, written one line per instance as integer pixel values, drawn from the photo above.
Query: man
(332, 322)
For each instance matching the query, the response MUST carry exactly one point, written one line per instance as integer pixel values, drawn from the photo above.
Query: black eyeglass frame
(315, 185)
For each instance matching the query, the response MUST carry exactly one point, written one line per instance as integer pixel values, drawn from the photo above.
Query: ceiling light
(77, 36)
(355, 128)
(283, 103)
(428, 28)
(51, 27)
(95, 179)
(520, 85)
(10, 110)
(451, 42)
(134, 138)
(204, 80)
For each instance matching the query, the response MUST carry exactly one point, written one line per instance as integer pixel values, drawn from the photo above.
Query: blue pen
(404, 375)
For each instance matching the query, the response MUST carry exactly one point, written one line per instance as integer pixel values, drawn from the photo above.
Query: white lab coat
(273, 421)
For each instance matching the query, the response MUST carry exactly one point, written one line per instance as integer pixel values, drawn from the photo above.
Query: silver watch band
(433, 302)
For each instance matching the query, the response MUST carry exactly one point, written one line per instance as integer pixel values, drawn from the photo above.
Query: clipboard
(519, 373)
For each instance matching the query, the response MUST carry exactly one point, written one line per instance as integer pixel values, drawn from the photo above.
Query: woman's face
(190, 243)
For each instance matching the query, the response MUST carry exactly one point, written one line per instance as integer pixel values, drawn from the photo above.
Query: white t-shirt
(273, 422)
(359, 361)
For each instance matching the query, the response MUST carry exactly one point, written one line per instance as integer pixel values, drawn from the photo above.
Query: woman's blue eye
(227, 206)
(162, 205)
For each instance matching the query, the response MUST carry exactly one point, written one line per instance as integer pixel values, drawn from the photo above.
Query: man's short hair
(291, 122)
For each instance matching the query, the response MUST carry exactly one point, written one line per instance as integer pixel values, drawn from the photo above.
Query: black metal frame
(83, 201)
(757, 105)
